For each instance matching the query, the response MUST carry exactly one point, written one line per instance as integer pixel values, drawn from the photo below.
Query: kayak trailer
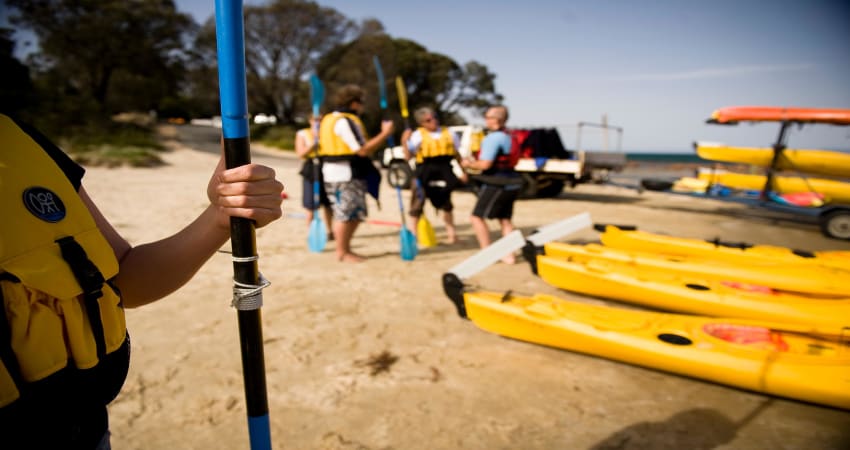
(833, 218)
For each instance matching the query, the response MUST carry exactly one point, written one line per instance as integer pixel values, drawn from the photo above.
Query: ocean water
(673, 157)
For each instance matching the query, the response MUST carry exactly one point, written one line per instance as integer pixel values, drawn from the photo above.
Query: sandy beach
(444, 384)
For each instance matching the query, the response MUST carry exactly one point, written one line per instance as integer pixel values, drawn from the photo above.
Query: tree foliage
(16, 89)
(283, 41)
(97, 57)
(102, 47)
(431, 79)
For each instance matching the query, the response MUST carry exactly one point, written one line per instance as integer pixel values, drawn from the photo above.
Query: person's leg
(325, 204)
(441, 198)
(344, 232)
(307, 199)
(507, 227)
(413, 225)
(487, 196)
(329, 220)
(417, 204)
(503, 210)
(451, 233)
(482, 233)
(349, 210)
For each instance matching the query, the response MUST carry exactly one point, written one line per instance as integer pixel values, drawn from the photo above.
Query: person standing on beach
(344, 149)
(434, 148)
(306, 147)
(67, 275)
(500, 185)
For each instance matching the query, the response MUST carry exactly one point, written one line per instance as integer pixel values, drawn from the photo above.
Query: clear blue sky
(657, 68)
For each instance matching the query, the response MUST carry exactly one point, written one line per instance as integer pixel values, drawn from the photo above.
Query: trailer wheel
(549, 188)
(399, 174)
(836, 224)
(656, 184)
(529, 186)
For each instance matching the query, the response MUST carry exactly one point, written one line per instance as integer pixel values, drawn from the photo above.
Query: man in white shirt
(344, 148)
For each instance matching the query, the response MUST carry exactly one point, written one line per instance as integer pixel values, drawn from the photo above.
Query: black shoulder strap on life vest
(91, 280)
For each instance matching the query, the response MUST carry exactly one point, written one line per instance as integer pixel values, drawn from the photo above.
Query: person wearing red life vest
(500, 185)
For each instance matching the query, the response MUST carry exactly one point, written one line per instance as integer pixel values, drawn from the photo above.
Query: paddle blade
(317, 238)
(408, 245)
(402, 96)
(425, 233)
(317, 93)
(381, 85)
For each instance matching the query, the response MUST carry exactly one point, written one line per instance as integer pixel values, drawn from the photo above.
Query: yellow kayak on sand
(801, 278)
(683, 293)
(749, 355)
(822, 162)
(834, 191)
(733, 253)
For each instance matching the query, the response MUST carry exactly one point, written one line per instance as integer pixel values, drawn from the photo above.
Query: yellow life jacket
(55, 265)
(432, 148)
(331, 146)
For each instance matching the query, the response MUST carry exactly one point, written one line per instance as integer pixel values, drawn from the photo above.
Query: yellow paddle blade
(402, 96)
(425, 233)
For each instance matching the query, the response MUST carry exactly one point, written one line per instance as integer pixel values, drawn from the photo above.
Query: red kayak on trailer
(733, 114)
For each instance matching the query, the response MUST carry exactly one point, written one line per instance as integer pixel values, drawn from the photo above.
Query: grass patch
(277, 136)
(116, 156)
(113, 145)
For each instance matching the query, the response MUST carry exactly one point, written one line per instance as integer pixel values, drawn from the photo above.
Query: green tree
(283, 41)
(16, 88)
(201, 78)
(431, 79)
(96, 45)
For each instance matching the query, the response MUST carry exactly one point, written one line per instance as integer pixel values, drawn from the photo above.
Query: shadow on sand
(694, 429)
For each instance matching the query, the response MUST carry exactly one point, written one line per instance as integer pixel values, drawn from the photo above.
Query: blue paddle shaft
(317, 93)
(234, 118)
(231, 68)
(383, 90)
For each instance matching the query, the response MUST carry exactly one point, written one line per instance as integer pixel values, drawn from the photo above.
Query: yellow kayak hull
(694, 295)
(643, 241)
(787, 277)
(821, 162)
(736, 353)
(833, 191)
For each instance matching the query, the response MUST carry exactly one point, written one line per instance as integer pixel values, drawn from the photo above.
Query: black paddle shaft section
(244, 245)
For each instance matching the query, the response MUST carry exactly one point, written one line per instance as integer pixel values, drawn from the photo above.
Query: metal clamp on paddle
(248, 297)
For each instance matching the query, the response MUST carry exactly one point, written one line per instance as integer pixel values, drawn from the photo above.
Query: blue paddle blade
(317, 238)
(317, 93)
(408, 245)
(381, 88)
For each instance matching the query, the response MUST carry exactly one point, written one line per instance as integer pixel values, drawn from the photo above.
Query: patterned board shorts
(348, 200)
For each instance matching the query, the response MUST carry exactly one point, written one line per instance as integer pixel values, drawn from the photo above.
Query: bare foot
(510, 259)
(351, 258)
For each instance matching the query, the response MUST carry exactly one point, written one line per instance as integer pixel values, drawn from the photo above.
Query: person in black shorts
(500, 185)
(434, 148)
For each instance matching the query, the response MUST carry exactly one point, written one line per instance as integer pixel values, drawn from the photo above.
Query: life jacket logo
(44, 204)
